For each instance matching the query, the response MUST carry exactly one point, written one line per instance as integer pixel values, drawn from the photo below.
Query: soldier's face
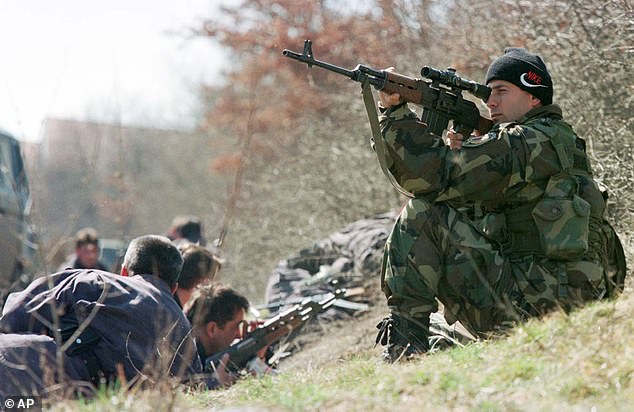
(508, 102)
(224, 336)
(88, 255)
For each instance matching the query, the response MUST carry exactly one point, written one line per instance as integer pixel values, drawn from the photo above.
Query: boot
(402, 337)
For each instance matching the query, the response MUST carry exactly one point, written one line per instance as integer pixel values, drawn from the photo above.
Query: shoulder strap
(557, 140)
(564, 141)
(379, 145)
(560, 148)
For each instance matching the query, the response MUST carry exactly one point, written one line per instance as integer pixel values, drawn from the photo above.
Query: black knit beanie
(525, 70)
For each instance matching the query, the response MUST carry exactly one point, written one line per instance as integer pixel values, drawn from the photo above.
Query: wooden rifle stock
(241, 352)
(440, 97)
(410, 89)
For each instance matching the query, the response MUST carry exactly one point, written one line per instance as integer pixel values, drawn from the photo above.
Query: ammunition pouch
(562, 219)
(557, 225)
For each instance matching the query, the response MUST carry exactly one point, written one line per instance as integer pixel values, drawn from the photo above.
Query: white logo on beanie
(533, 76)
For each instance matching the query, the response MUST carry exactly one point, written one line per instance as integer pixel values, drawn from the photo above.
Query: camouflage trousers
(437, 252)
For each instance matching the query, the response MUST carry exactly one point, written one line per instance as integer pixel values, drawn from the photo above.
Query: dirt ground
(329, 341)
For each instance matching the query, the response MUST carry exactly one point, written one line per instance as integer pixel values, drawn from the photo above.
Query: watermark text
(21, 404)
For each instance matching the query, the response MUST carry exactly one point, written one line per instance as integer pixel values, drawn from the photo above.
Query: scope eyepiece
(450, 78)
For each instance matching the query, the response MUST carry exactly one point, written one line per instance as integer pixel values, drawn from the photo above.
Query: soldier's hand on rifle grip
(389, 99)
(455, 140)
(225, 378)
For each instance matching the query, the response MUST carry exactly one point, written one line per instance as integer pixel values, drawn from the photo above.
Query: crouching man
(105, 326)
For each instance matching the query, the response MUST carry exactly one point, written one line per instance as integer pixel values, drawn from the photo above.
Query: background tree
(308, 166)
(301, 133)
(298, 138)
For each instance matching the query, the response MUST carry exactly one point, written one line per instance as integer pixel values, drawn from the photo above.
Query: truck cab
(17, 250)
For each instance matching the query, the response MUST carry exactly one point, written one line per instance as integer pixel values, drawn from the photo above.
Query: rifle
(440, 96)
(291, 320)
(339, 302)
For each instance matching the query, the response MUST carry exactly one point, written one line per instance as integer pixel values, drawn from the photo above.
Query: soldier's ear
(210, 329)
(124, 271)
(535, 101)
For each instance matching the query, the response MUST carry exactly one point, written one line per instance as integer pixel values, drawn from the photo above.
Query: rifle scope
(450, 78)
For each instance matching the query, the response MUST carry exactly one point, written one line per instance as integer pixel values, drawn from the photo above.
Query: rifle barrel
(309, 60)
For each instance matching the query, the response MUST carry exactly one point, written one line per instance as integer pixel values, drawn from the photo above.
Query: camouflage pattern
(563, 220)
(469, 236)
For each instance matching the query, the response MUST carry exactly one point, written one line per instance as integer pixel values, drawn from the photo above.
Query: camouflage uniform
(486, 233)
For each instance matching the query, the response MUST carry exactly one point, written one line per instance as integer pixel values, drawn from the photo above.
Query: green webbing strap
(570, 156)
(379, 145)
(560, 148)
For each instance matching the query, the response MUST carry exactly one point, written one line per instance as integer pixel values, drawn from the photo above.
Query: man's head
(87, 247)
(216, 313)
(189, 228)
(200, 265)
(519, 81)
(151, 254)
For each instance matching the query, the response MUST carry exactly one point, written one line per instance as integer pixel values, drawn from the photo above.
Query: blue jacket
(133, 321)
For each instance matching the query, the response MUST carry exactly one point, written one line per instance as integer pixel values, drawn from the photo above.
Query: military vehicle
(111, 252)
(17, 249)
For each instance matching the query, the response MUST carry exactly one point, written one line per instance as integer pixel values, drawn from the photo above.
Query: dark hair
(86, 236)
(198, 263)
(152, 254)
(188, 227)
(214, 303)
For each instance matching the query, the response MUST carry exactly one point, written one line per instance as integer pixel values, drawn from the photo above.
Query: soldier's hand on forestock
(249, 326)
(388, 100)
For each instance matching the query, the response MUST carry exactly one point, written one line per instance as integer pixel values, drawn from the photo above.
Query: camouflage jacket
(503, 173)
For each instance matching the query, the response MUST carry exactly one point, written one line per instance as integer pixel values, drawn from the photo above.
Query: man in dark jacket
(217, 314)
(29, 366)
(127, 327)
(86, 254)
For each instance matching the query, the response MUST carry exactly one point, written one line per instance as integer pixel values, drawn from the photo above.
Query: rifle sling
(379, 145)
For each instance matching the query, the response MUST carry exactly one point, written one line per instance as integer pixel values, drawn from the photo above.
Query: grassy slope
(563, 362)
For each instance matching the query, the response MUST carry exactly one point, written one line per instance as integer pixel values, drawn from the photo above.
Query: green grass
(564, 362)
